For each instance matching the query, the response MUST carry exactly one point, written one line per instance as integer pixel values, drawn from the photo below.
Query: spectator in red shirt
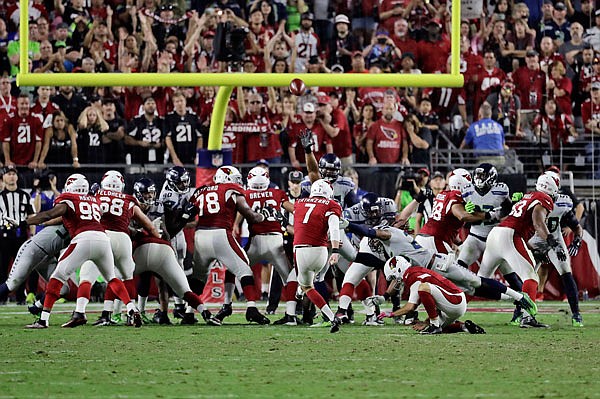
(322, 142)
(401, 37)
(554, 126)
(368, 115)
(590, 110)
(559, 87)
(22, 134)
(386, 139)
(489, 79)
(335, 124)
(433, 51)
(263, 142)
(529, 85)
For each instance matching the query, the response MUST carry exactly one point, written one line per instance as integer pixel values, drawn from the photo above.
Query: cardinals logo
(389, 133)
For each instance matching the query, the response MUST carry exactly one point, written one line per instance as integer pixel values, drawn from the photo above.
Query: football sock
(514, 281)
(178, 301)
(83, 296)
(193, 300)
(530, 287)
(429, 304)
(81, 304)
(363, 290)
(249, 288)
(108, 305)
(264, 287)
(130, 306)
(395, 301)
(120, 291)
(143, 287)
(490, 288)
(346, 295)
(369, 310)
(319, 302)
(142, 303)
(52, 293)
(571, 290)
(117, 306)
(130, 286)
(290, 308)
(229, 288)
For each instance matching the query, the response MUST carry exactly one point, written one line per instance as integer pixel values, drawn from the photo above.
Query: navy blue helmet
(178, 179)
(144, 190)
(371, 206)
(329, 167)
(484, 177)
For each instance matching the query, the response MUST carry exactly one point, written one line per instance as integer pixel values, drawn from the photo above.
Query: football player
(216, 206)
(563, 215)
(507, 242)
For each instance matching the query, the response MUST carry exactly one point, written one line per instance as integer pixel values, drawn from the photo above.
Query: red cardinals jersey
(44, 112)
(257, 200)
(419, 274)
(529, 85)
(442, 224)
(83, 213)
(22, 134)
(387, 140)
(320, 140)
(443, 100)
(216, 205)
(261, 142)
(117, 210)
(146, 238)
(311, 216)
(520, 217)
(589, 111)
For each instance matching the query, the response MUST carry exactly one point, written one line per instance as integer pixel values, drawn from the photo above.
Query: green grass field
(241, 361)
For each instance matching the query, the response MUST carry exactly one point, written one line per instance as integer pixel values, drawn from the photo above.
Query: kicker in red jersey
(216, 205)
(257, 200)
(83, 213)
(520, 217)
(311, 220)
(117, 210)
(442, 224)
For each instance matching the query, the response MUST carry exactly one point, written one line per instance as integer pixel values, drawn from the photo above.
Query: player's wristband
(335, 250)
(308, 150)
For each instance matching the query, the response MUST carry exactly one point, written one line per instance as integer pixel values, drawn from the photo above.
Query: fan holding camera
(382, 50)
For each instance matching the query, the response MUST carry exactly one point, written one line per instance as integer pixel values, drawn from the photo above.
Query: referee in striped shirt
(15, 206)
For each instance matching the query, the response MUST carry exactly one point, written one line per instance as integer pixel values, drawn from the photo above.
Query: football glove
(470, 207)
(552, 242)
(561, 255)
(94, 188)
(516, 197)
(424, 194)
(271, 214)
(575, 245)
(344, 223)
(306, 139)
(188, 211)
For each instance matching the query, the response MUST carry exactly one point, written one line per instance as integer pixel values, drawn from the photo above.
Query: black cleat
(179, 311)
(161, 318)
(210, 319)
(531, 322)
(431, 329)
(286, 320)
(335, 325)
(350, 313)
(189, 319)
(473, 328)
(38, 324)
(253, 315)
(77, 319)
(135, 318)
(225, 311)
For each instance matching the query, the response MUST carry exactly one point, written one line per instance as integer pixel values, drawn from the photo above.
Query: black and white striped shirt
(16, 205)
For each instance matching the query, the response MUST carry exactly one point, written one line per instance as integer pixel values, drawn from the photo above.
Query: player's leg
(278, 258)
(236, 261)
(88, 274)
(450, 306)
(493, 253)
(566, 276)
(470, 250)
(28, 258)
(352, 279)
(123, 254)
(179, 245)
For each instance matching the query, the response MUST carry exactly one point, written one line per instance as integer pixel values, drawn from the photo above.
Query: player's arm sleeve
(570, 220)
(333, 222)
(369, 260)
(351, 198)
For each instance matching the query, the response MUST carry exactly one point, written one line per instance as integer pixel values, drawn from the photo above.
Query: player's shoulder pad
(563, 200)
(345, 181)
(500, 189)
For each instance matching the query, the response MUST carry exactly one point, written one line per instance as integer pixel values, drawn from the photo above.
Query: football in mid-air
(297, 87)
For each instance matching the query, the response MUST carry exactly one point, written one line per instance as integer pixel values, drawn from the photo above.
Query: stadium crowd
(536, 68)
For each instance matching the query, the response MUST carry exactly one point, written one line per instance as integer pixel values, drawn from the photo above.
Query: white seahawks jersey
(356, 214)
(401, 243)
(341, 188)
(172, 200)
(491, 200)
(562, 205)
(52, 239)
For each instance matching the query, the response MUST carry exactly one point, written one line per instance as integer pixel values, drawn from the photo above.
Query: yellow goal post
(227, 81)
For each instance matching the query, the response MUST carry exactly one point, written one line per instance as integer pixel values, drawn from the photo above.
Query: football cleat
(179, 311)
(324, 323)
(411, 318)
(342, 317)
(37, 324)
(34, 310)
(431, 329)
(287, 320)
(253, 315)
(160, 317)
(473, 328)
(531, 322)
(225, 311)
(374, 300)
(577, 320)
(104, 322)
(528, 304)
(335, 325)
(145, 318)
(77, 319)
(30, 298)
(350, 313)
(117, 319)
(210, 319)
(516, 318)
(308, 320)
(134, 318)
(372, 320)
(189, 319)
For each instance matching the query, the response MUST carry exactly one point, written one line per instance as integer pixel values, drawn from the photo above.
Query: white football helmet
(258, 179)
(228, 174)
(113, 181)
(77, 184)
(395, 267)
(547, 184)
(555, 176)
(321, 188)
(458, 183)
